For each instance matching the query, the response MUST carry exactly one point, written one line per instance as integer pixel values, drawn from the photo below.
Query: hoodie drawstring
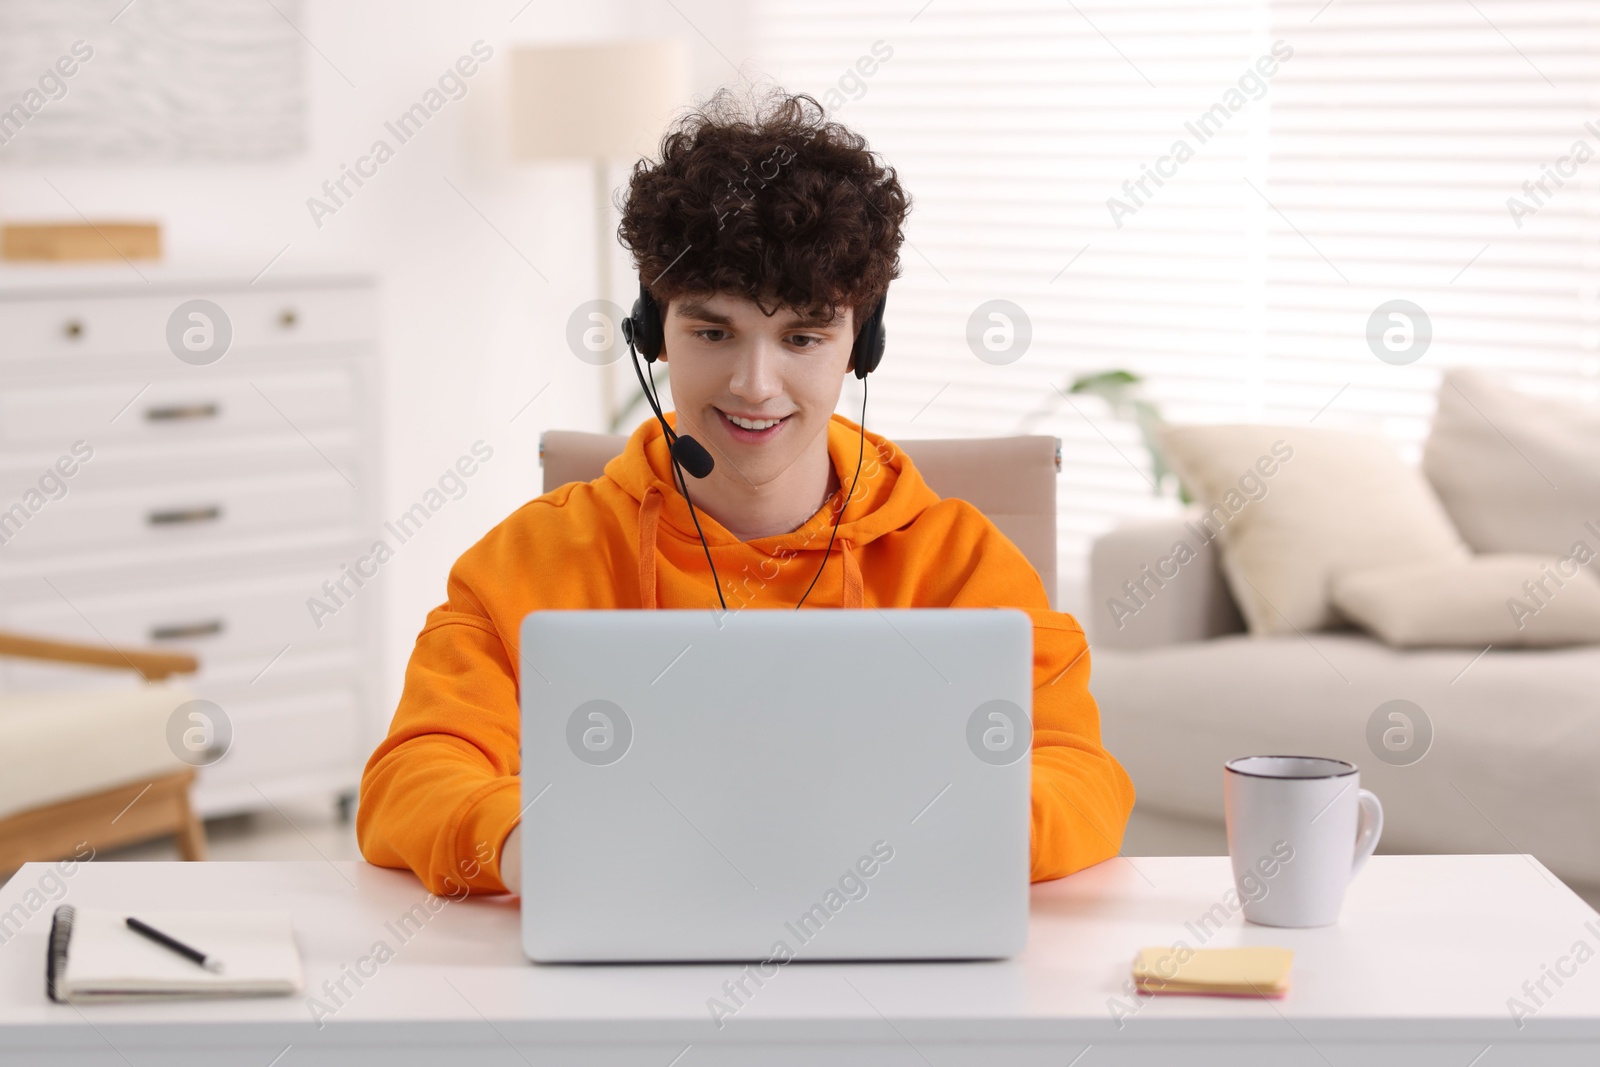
(650, 521)
(649, 518)
(852, 575)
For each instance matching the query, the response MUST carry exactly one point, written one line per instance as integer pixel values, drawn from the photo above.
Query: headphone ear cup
(870, 342)
(646, 325)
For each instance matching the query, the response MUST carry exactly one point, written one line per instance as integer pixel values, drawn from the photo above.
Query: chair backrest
(1012, 480)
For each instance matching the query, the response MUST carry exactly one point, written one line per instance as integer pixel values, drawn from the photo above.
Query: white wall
(470, 330)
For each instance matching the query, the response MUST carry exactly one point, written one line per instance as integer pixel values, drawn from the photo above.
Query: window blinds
(1217, 197)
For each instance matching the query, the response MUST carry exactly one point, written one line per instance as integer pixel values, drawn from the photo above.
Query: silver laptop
(775, 785)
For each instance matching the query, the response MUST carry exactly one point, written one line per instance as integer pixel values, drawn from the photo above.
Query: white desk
(1418, 972)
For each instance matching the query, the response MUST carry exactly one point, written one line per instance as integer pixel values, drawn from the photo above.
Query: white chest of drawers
(207, 508)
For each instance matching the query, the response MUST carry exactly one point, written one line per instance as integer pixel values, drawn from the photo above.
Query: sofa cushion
(56, 745)
(1517, 473)
(1503, 600)
(1293, 505)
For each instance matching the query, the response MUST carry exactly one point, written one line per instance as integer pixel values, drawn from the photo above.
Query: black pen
(210, 963)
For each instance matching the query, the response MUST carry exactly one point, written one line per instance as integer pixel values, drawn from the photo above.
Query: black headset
(643, 330)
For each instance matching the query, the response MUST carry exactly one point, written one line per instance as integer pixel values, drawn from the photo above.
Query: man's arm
(441, 793)
(1081, 795)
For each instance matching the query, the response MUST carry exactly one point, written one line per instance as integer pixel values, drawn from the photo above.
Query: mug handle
(1368, 829)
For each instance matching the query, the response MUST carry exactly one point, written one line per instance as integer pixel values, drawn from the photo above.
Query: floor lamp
(597, 102)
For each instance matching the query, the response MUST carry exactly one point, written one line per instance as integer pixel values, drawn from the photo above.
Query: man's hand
(511, 860)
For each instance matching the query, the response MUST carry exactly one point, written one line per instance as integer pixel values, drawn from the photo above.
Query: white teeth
(750, 425)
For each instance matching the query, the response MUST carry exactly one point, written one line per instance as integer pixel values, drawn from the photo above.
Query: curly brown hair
(772, 202)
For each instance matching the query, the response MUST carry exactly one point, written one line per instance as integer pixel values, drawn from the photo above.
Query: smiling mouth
(755, 430)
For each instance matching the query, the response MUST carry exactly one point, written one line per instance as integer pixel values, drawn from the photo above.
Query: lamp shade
(596, 101)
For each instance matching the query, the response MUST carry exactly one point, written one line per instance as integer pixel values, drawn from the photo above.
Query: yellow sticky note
(1256, 971)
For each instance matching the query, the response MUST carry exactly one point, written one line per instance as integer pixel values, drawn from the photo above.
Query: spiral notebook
(94, 956)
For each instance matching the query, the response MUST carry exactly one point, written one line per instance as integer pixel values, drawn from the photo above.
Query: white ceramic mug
(1299, 828)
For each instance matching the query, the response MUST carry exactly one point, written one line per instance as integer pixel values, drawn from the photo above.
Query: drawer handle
(177, 412)
(176, 631)
(185, 515)
(73, 329)
(287, 318)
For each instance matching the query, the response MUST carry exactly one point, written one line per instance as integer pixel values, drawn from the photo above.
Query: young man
(766, 239)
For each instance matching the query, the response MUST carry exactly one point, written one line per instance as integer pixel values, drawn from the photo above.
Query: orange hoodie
(441, 792)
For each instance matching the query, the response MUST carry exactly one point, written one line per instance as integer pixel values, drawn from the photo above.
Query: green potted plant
(1122, 392)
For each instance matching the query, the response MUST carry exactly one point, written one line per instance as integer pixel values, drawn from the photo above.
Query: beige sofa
(1182, 688)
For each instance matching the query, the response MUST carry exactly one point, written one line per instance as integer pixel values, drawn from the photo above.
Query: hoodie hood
(889, 495)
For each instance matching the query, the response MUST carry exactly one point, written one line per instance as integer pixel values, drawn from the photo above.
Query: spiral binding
(60, 935)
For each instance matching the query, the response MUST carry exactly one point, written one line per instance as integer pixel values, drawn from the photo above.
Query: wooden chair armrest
(154, 666)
